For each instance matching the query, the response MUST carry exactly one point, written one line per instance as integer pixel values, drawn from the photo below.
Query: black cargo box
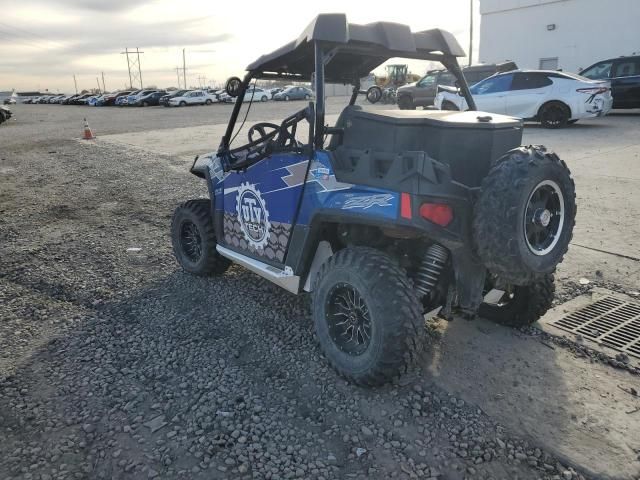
(467, 142)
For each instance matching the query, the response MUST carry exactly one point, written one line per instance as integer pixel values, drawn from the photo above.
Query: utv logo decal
(253, 215)
(368, 201)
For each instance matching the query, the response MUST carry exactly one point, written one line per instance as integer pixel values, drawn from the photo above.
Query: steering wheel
(284, 135)
(261, 129)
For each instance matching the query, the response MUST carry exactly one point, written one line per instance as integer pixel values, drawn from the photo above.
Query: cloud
(100, 5)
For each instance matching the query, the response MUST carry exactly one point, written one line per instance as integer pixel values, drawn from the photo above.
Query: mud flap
(470, 276)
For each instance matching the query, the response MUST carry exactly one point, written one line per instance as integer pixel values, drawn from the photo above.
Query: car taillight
(438, 213)
(593, 90)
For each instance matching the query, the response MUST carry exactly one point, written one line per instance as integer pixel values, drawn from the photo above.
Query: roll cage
(331, 50)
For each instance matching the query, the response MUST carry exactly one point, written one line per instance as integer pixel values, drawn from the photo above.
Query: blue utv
(386, 215)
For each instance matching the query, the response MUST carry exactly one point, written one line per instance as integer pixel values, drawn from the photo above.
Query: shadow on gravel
(221, 378)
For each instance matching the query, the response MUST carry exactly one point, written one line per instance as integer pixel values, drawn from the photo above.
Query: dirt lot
(116, 364)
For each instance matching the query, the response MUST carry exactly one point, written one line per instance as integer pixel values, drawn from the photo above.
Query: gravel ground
(115, 364)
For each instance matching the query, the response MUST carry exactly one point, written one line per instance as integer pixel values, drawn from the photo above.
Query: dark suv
(423, 92)
(624, 75)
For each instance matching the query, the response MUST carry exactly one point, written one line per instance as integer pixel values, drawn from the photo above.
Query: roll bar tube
(224, 143)
(319, 88)
(452, 65)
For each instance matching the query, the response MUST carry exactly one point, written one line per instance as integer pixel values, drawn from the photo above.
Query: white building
(552, 34)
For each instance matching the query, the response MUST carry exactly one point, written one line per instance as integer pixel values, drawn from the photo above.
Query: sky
(43, 43)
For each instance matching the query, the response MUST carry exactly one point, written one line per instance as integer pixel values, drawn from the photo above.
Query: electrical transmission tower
(133, 64)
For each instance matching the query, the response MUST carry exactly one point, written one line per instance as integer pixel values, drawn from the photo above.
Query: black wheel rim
(554, 115)
(191, 241)
(544, 218)
(348, 319)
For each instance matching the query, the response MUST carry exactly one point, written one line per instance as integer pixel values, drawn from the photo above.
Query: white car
(257, 94)
(194, 97)
(552, 98)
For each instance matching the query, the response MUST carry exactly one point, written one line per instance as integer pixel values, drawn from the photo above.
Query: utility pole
(470, 32)
(139, 69)
(98, 82)
(132, 63)
(104, 88)
(184, 68)
(75, 83)
(178, 75)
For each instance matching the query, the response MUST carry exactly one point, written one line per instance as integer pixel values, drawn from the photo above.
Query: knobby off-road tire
(194, 240)
(524, 306)
(373, 281)
(508, 223)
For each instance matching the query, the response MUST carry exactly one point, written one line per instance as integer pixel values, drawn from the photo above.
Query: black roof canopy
(358, 49)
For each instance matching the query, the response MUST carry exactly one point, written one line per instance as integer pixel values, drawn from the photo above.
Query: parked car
(134, 97)
(194, 97)
(5, 113)
(9, 101)
(96, 101)
(151, 99)
(124, 99)
(624, 75)
(68, 100)
(81, 99)
(164, 99)
(423, 92)
(554, 99)
(55, 98)
(110, 98)
(252, 94)
(294, 93)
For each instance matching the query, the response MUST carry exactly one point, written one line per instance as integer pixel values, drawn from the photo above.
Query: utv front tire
(524, 217)
(194, 240)
(523, 306)
(368, 322)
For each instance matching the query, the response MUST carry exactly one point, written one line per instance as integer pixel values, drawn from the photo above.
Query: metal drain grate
(609, 321)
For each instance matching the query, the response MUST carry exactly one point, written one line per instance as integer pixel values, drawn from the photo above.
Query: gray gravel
(116, 364)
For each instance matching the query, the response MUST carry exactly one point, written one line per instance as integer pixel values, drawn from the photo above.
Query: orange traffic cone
(88, 134)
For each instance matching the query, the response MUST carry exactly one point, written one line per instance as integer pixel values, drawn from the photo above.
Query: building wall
(583, 32)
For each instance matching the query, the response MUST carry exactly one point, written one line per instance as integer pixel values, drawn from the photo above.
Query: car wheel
(194, 240)
(208, 102)
(524, 216)
(446, 105)
(406, 103)
(145, 104)
(368, 322)
(374, 94)
(183, 104)
(286, 98)
(264, 98)
(307, 96)
(520, 306)
(554, 115)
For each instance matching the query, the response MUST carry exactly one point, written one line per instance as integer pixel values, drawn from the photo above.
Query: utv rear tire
(365, 285)
(525, 306)
(524, 217)
(194, 240)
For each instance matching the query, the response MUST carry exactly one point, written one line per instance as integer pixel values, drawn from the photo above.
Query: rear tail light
(593, 90)
(438, 213)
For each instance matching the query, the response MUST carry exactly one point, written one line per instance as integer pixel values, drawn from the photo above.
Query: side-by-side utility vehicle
(385, 215)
